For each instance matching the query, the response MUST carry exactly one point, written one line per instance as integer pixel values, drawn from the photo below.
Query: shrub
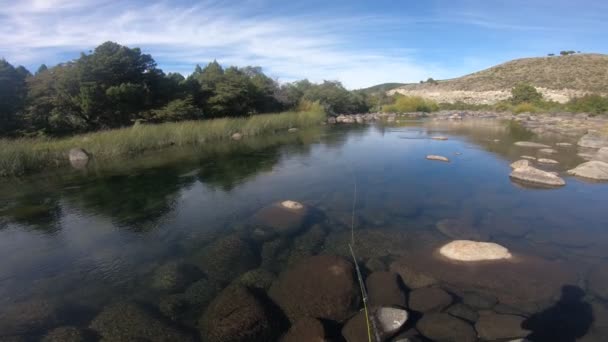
(525, 93)
(525, 108)
(177, 110)
(408, 104)
(594, 104)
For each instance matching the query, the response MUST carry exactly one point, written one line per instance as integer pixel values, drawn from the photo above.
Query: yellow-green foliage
(20, 156)
(409, 104)
(525, 108)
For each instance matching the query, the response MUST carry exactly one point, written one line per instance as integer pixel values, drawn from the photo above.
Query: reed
(26, 155)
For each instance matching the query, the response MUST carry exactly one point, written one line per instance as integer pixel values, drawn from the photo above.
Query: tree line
(116, 86)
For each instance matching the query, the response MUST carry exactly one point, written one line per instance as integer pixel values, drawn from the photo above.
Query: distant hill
(384, 87)
(558, 78)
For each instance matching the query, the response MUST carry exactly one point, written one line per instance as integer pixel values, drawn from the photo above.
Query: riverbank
(22, 156)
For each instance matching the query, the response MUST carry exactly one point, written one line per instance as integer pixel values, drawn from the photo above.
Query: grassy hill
(384, 87)
(583, 72)
(559, 78)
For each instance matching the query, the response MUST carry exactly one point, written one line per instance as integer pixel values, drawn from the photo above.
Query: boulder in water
(174, 276)
(411, 277)
(528, 157)
(429, 299)
(383, 290)
(387, 321)
(238, 315)
(438, 158)
(534, 176)
(282, 218)
(547, 150)
(531, 144)
(321, 286)
(520, 163)
(439, 137)
(594, 139)
(65, 334)
(595, 170)
(466, 250)
(27, 317)
(547, 161)
(305, 330)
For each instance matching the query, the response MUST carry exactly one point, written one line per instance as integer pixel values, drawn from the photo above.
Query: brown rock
(429, 299)
(495, 326)
(320, 286)
(237, 315)
(412, 278)
(383, 290)
(445, 328)
(305, 330)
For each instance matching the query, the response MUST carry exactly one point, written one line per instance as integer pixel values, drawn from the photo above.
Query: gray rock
(547, 161)
(292, 130)
(535, 176)
(387, 321)
(129, 322)
(595, 170)
(547, 150)
(237, 315)
(438, 158)
(528, 157)
(594, 140)
(601, 155)
(445, 328)
(493, 326)
(79, 158)
(463, 311)
(531, 144)
(383, 290)
(429, 299)
(563, 144)
(520, 163)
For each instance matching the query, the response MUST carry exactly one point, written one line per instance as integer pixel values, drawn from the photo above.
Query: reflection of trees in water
(135, 201)
(38, 211)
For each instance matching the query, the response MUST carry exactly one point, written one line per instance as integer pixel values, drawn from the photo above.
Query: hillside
(558, 78)
(384, 87)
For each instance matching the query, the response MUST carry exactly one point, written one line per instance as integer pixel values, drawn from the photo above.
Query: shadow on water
(566, 321)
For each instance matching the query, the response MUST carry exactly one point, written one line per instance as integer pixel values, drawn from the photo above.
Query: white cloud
(289, 47)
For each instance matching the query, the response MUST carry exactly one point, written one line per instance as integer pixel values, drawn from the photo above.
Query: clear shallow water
(77, 241)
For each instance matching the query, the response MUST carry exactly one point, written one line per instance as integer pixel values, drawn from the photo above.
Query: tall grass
(409, 104)
(25, 155)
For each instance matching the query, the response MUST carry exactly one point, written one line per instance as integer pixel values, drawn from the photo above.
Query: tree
(431, 81)
(551, 55)
(12, 96)
(525, 93)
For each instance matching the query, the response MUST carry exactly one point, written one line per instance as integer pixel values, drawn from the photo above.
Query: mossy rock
(237, 315)
(127, 321)
(227, 258)
(259, 279)
(28, 317)
(201, 292)
(65, 334)
(174, 276)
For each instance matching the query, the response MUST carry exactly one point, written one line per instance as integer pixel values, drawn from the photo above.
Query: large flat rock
(534, 176)
(595, 170)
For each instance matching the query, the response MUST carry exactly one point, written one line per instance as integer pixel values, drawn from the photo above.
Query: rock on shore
(535, 176)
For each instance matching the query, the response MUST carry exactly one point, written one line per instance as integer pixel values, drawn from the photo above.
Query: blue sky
(360, 43)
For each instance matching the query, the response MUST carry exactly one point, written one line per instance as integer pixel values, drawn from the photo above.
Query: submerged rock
(460, 229)
(320, 286)
(466, 250)
(227, 258)
(27, 317)
(387, 321)
(305, 330)
(383, 290)
(595, 170)
(64, 334)
(129, 322)
(443, 327)
(412, 278)
(535, 176)
(201, 292)
(438, 158)
(563, 144)
(547, 150)
(259, 278)
(464, 312)
(479, 300)
(528, 157)
(491, 326)
(429, 299)
(531, 144)
(283, 218)
(594, 140)
(174, 276)
(239, 316)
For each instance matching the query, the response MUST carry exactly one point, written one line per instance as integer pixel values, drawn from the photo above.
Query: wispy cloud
(291, 41)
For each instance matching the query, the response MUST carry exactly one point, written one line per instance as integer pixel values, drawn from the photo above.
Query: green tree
(525, 93)
(12, 96)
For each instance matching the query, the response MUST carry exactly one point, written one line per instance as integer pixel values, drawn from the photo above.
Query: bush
(525, 93)
(408, 104)
(177, 110)
(594, 104)
(525, 108)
